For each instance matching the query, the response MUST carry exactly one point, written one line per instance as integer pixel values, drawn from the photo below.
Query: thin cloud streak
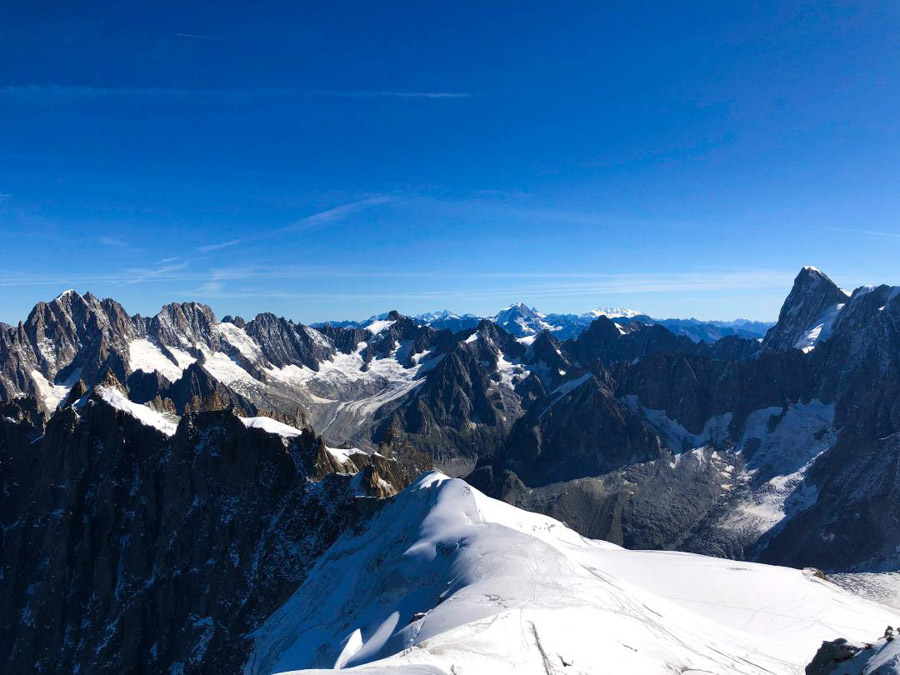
(218, 247)
(204, 37)
(172, 272)
(505, 294)
(319, 219)
(333, 214)
(399, 94)
(36, 93)
(868, 233)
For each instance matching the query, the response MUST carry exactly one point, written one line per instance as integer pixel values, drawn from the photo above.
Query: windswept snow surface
(271, 426)
(142, 413)
(446, 580)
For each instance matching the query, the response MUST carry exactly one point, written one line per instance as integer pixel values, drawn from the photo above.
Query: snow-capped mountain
(447, 320)
(448, 580)
(521, 321)
(808, 315)
(524, 322)
(780, 451)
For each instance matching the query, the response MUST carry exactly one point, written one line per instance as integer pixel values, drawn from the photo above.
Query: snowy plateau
(447, 580)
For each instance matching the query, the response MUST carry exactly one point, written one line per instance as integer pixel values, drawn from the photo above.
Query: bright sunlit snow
(446, 580)
(270, 425)
(148, 357)
(52, 394)
(142, 413)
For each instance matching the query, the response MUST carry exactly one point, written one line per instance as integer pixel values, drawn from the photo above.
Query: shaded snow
(883, 587)
(783, 444)
(447, 580)
(675, 436)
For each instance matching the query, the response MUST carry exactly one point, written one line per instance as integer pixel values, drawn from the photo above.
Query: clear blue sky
(333, 160)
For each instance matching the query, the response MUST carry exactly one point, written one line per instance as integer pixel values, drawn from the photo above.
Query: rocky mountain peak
(520, 320)
(181, 323)
(515, 310)
(808, 313)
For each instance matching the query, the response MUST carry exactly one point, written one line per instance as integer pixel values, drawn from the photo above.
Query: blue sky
(333, 161)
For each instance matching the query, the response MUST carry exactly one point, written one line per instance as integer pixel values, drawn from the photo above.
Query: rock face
(808, 313)
(784, 451)
(125, 549)
(787, 455)
(842, 657)
(168, 481)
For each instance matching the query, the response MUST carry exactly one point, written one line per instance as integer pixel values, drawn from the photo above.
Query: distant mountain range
(522, 321)
(169, 483)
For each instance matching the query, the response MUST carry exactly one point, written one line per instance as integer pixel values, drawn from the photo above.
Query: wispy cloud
(218, 247)
(335, 214)
(36, 94)
(196, 36)
(113, 241)
(398, 94)
(319, 219)
(543, 283)
(867, 233)
(121, 245)
(137, 275)
(595, 287)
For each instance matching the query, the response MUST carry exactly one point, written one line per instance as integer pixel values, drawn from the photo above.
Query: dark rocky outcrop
(126, 550)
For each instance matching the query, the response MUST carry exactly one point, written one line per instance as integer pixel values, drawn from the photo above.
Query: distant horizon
(543, 310)
(778, 285)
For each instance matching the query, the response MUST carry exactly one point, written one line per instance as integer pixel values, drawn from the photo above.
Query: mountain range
(522, 321)
(181, 493)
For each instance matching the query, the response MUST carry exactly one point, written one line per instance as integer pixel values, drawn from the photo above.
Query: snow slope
(146, 356)
(446, 580)
(151, 418)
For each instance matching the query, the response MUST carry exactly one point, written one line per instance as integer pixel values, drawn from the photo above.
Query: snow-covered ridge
(448, 580)
(142, 413)
(271, 426)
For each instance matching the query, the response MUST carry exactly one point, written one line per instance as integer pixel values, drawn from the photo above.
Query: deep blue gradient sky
(334, 160)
